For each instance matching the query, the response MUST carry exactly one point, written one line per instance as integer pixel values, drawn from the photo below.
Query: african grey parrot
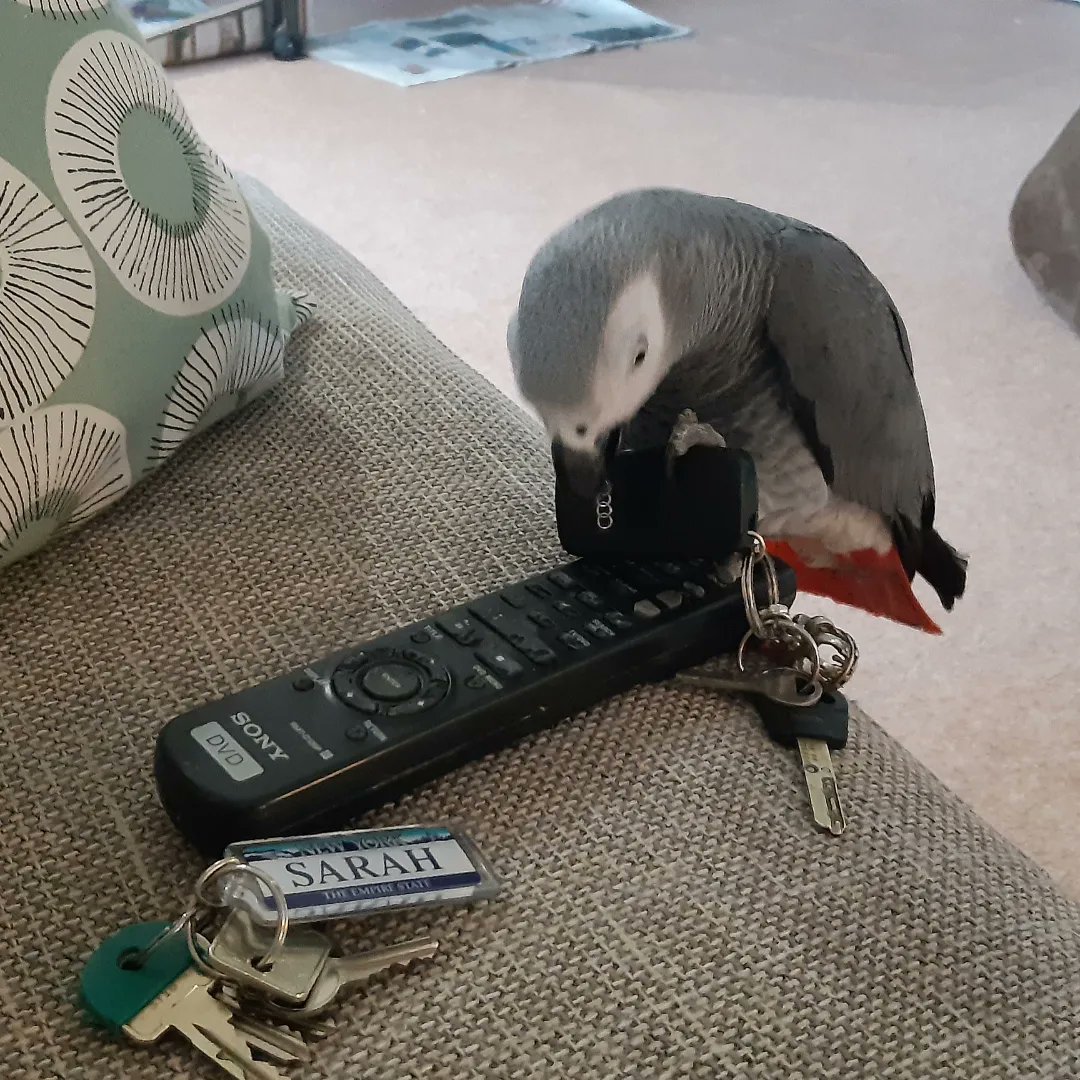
(777, 336)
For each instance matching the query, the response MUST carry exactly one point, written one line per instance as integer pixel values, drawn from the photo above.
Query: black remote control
(315, 747)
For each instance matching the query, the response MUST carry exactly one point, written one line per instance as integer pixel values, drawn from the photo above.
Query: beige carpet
(905, 128)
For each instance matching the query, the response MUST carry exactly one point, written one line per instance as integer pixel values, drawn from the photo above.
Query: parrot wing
(844, 358)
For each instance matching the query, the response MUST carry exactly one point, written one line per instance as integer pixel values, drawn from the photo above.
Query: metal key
(189, 1008)
(241, 942)
(343, 973)
(816, 731)
(167, 993)
(781, 685)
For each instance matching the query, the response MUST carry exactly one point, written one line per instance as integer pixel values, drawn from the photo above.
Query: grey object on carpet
(1044, 224)
(669, 910)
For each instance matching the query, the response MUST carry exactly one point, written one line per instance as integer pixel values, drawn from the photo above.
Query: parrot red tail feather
(863, 579)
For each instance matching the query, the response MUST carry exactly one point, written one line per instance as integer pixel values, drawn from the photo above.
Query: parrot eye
(582, 430)
(643, 349)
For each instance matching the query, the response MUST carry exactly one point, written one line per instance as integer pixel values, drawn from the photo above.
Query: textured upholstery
(669, 910)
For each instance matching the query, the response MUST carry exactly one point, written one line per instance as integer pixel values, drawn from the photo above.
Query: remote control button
(646, 609)
(564, 608)
(562, 579)
(500, 663)
(421, 637)
(541, 591)
(356, 660)
(692, 588)
(574, 640)
(599, 630)
(346, 690)
(429, 663)
(417, 705)
(480, 681)
(391, 682)
(463, 630)
(591, 600)
(618, 620)
(670, 598)
(515, 597)
(623, 588)
(358, 701)
(541, 619)
(671, 569)
(358, 733)
(303, 682)
(539, 653)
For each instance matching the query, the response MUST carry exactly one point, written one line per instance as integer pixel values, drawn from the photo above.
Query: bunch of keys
(797, 690)
(229, 995)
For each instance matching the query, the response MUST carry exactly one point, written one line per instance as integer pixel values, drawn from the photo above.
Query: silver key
(240, 943)
(189, 1008)
(343, 973)
(821, 784)
(782, 685)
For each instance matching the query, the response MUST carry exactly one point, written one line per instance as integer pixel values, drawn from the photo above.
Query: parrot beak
(584, 471)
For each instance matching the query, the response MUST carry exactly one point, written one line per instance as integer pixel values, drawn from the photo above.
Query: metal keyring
(137, 959)
(810, 653)
(232, 864)
(758, 554)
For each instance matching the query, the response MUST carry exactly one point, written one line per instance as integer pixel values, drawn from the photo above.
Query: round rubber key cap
(391, 682)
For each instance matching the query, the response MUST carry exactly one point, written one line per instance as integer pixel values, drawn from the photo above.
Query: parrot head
(590, 342)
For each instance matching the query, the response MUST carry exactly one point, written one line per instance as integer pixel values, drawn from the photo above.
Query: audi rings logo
(605, 513)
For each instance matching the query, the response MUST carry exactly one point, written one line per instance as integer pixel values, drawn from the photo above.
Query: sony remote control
(318, 745)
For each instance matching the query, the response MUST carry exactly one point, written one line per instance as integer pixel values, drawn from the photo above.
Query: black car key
(816, 730)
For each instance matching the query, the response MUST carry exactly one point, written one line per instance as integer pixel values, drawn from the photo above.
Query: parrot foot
(689, 432)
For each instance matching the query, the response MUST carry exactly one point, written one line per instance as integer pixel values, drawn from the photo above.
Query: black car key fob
(700, 504)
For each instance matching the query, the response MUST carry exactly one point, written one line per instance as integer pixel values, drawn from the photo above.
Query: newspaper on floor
(474, 39)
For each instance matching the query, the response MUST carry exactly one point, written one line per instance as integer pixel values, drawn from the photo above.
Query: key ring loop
(233, 865)
(758, 554)
(809, 651)
(179, 925)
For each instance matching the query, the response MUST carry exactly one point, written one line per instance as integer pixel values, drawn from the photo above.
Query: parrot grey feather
(845, 359)
(778, 337)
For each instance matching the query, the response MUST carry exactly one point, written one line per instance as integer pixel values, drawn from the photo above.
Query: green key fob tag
(114, 994)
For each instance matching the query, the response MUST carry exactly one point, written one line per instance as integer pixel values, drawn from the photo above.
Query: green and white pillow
(137, 304)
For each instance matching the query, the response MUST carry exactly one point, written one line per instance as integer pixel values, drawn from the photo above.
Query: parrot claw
(690, 432)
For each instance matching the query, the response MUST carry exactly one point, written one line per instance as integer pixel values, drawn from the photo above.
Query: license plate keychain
(340, 875)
